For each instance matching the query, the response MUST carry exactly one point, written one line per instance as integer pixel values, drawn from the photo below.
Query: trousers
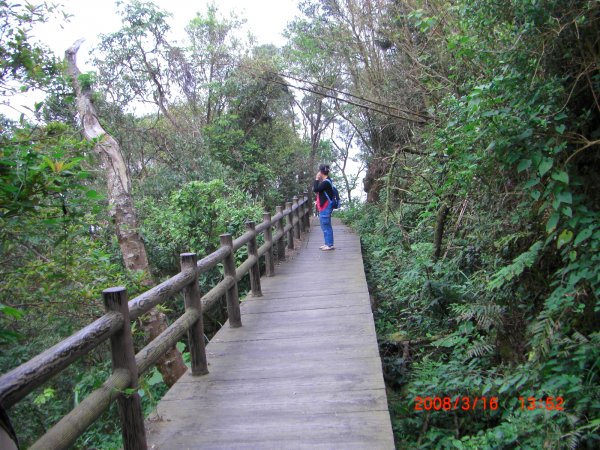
(325, 221)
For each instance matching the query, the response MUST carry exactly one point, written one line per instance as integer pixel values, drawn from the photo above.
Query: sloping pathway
(302, 372)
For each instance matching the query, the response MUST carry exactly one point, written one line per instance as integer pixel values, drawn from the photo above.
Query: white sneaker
(326, 248)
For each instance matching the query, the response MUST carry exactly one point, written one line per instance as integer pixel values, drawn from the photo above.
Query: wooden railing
(116, 325)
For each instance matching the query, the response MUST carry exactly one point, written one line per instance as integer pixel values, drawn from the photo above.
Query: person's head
(324, 169)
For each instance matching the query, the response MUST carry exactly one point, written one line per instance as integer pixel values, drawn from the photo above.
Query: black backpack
(336, 195)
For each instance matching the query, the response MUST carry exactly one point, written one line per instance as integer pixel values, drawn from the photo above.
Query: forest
(463, 136)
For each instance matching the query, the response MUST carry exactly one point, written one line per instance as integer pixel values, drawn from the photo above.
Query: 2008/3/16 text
(449, 403)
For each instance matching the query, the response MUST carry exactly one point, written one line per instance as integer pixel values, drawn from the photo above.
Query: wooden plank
(313, 358)
(247, 351)
(318, 382)
(293, 371)
(302, 401)
(340, 331)
(303, 308)
(279, 429)
(279, 292)
(328, 315)
(291, 344)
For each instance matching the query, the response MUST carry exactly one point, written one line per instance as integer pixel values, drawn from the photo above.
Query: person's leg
(326, 226)
(322, 221)
(330, 225)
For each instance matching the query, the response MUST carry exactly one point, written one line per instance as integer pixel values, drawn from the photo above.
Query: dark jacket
(320, 187)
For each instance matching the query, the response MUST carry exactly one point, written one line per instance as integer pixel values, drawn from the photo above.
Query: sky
(266, 20)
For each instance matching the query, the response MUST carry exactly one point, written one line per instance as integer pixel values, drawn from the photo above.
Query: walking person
(323, 187)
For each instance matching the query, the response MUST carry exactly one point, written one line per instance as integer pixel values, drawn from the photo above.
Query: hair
(324, 169)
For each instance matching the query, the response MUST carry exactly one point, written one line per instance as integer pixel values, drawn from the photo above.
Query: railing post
(290, 238)
(232, 296)
(307, 209)
(301, 206)
(270, 264)
(191, 296)
(123, 357)
(254, 272)
(281, 240)
(296, 217)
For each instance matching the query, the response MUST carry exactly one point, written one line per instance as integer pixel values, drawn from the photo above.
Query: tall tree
(254, 137)
(135, 62)
(344, 144)
(213, 53)
(121, 204)
(305, 57)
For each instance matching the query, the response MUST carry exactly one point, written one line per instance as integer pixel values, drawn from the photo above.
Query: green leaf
(524, 165)
(552, 222)
(565, 197)
(45, 396)
(583, 236)
(545, 166)
(525, 134)
(10, 311)
(572, 255)
(561, 176)
(457, 444)
(491, 147)
(156, 378)
(535, 195)
(564, 238)
(567, 211)
(93, 195)
(560, 129)
(531, 183)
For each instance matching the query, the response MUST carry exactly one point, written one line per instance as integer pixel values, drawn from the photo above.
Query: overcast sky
(266, 19)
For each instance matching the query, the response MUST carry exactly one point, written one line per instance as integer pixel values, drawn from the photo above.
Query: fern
(543, 334)
(450, 341)
(479, 349)
(506, 241)
(520, 263)
(485, 314)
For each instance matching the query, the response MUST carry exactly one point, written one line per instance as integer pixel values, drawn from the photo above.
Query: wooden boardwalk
(302, 372)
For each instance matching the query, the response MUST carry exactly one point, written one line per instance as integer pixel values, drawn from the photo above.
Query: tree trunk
(372, 182)
(122, 209)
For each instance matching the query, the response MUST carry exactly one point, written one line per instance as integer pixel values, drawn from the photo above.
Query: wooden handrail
(70, 427)
(115, 325)
(20, 381)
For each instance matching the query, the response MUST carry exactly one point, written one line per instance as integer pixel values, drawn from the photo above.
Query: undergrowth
(443, 332)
